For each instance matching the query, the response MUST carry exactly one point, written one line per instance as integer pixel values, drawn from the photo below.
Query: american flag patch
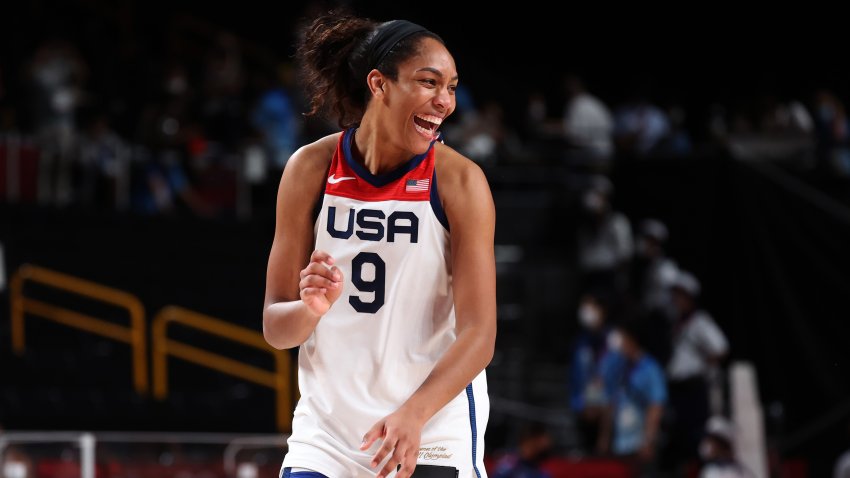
(416, 185)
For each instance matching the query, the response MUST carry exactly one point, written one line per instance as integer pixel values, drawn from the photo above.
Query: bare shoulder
(303, 177)
(314, 158)
(457, 174)
(462, 185)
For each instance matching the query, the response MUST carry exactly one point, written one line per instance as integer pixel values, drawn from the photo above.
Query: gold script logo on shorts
(436, 452)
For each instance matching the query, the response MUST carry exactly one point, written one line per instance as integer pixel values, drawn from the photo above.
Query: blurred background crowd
(620, 200)
(130, 111)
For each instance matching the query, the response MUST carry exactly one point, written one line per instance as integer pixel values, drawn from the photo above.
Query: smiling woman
(395, 368)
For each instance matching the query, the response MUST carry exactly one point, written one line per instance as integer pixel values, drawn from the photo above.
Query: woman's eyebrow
(435, 71)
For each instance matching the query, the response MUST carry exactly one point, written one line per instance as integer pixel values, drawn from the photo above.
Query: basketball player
(390, 290)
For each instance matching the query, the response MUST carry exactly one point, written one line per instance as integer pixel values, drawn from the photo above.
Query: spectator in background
(697, 349)
(178, 153)
(639, 125)
(772, 128)
(104, 160)
(535, 445)
(653, 274)
(587, 392)
(717, 451)
(656, 271)
(57, 73)
(587, 125)
(604, 240)
(275, 118)
(635, 383)
(482, 134)
(465, 115)
(677, 143)
(832, 129)
(784, 117)
(223, 109)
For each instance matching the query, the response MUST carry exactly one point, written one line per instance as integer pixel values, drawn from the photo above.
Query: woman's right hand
(321, 283)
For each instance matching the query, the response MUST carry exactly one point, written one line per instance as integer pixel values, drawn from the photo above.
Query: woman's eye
(429, 81)
(452, 88)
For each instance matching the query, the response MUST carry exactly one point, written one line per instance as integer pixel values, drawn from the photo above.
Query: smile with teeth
(427, 124)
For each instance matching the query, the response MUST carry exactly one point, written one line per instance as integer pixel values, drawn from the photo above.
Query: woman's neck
(375, 151)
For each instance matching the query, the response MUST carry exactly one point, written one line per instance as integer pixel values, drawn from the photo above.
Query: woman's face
(423, 97)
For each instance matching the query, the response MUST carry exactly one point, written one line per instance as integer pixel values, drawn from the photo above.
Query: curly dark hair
(332, 56)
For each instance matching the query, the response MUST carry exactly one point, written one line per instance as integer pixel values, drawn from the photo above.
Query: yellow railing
(162, 347)
(133, 335)
(279, 379)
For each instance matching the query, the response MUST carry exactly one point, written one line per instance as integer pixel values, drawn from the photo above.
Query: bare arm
(472, 219)
(300, 286)
(469, 208)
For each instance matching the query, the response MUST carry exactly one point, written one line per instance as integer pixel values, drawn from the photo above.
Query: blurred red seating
(57, 469)
(28, 156)
(587, 468)
(64, 469)
(794, 468)
(571, 468)
(155, 470)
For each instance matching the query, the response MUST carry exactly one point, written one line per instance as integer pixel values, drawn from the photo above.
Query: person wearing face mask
(587, 394)
(637, 389)
(604, 239)
(716, 451)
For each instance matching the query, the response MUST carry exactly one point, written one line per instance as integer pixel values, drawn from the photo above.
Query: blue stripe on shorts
(287, 473)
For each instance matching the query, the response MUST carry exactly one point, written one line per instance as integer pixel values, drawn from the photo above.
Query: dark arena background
(629, 152)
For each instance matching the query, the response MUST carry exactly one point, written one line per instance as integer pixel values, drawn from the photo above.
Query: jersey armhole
(436, 205)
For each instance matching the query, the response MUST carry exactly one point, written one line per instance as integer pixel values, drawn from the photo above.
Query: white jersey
(393, 321)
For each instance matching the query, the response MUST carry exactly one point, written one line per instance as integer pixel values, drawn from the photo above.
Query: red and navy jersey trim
(436, 204)
(380, 180)
(414, 180)
(348, 178)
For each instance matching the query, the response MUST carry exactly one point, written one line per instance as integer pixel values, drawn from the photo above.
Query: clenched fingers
(321, 256)
(313, 280)
(311, 293)
(318, 268)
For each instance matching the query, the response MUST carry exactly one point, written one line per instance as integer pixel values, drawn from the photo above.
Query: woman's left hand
(400, 433)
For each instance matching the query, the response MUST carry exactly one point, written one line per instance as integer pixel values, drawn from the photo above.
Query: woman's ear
(375, 79)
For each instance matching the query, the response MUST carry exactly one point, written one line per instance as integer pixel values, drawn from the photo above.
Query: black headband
(386, 36)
